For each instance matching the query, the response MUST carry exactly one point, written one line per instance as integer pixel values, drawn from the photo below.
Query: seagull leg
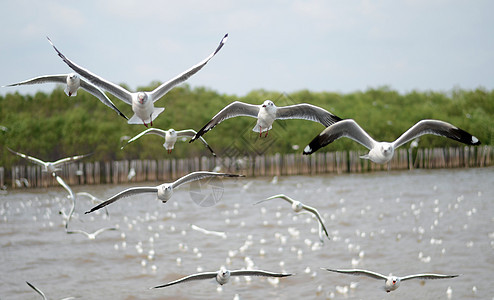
(151, 117)
(260, 131)
(266, 133)
(145, 124)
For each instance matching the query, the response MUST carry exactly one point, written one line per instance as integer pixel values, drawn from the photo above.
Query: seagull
(208, 232)
(391, 282)
(382, 152)
(50, 167)
(267, 113)
(73, 83)
(71, 196)
(43, 294)
(94, 200)
(298, 206)
(93, 235)
(164, 191)
(170, 137)
(142, 102)
(223, 276)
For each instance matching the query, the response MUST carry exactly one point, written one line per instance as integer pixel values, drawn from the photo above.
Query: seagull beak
(263, 105)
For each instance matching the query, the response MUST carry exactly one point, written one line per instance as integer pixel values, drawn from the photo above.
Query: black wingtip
(465, 137)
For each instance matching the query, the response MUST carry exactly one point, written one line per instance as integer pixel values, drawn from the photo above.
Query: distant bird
(298, 206)
(164, 191)
(43, 294)
(223, 276)
(142, 102)
(382, 152)
(208, 232)
(68, 216)
(3, 128)
(73, 83)
(391, 282)
(50, 167)
(170, 137)
(267, 113)
(89, 235)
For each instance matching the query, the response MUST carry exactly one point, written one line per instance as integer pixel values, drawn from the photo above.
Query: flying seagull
(223, 276)
(66, 217)
(73, 83)
(89, 235)
(163, 191)
(50, 167)
(382, 152)
(267, 113)
(43, 294)
(298, 206)
(142, 102)
(391, 282)
(170, 137)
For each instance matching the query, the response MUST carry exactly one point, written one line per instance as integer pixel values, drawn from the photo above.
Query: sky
(282, 46)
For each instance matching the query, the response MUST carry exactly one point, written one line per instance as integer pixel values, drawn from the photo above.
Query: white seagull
(68, 216)
(298, 206)
(223, 276)
(170, 136)
(43, 294)
(208, 232)
(142, 102)
(73, 83)
(382, 152)
(50, 167)
(164, 191)
(267, 113)
(89, 235)
(391, 282)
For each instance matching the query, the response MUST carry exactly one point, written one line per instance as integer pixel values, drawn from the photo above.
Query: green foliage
(55, 126)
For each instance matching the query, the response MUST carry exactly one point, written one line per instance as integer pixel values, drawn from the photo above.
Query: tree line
(52, 126)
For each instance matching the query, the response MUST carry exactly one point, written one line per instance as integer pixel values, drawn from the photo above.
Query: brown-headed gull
(43, 294)
(90, 235)
(163, 191)
(391, 282)
(298, 206)
(171, 136)
(382, 152)
(73, 83)
(142, 102)
(50, 167)
(267, 113)
(223, 276)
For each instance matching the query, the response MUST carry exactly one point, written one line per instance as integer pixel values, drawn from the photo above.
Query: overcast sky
(284, 46)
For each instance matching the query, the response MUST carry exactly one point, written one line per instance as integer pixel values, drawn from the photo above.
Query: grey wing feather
(318, 216)
(198, 276)
(257, 273)
(282, 196)
(112, 88)
(436, 127)
(307, 112)
(65, 186)
(98, 93)
(192, 133)
(61, 78)
(427, 276)
(234, 109)
(160, 91)
(200, 175)
(155, 131)
(30, 158)
(37, 290)
(123, 194)
(70, 159)
(359, 272)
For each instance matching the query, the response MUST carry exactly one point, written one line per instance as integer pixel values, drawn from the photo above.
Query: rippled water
(402, 222)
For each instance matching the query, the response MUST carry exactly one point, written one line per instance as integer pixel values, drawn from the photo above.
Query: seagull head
(73, 76)
(142, 97)
(267, 103)
(165, 192)
(223, 276)
(297, 206)
(172, 132)
(392, 283)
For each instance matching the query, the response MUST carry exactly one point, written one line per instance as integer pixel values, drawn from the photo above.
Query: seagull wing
(282, 196)
(74, 231)
(123, 194)
(198, 176)
(427, 276)
(234, 109)
(30, 158)
(191, 133)
(70, 159)
(103, 229)
(345, 128)
(436, 127)
(155, 131)
(37, 290)
(65, 186)
(160, 91)
(98, 93)
(257, 273)
(61, 78)
(112, 88)
(359, 272)
(318, 216)
(198, 276)
(307, 112)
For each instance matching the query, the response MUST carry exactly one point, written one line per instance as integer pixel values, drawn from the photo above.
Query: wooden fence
(269, 165)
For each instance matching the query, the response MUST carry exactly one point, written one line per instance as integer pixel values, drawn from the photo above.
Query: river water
(406, 222)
